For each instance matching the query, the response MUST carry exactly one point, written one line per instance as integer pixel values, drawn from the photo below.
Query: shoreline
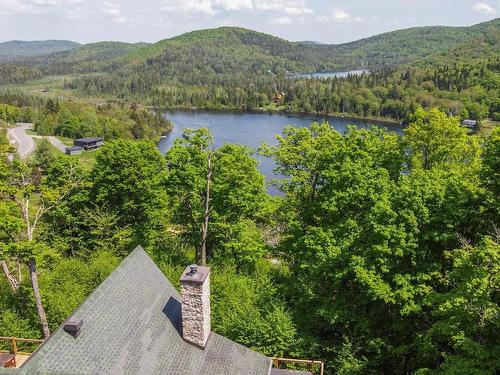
(385, 121)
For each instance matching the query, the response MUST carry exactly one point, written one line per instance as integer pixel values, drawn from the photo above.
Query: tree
(128, 179)
(365, 234)
(212, 190)
(490, 172)
(433, 139)
(247, 309)
(467, 314)
(33, 199)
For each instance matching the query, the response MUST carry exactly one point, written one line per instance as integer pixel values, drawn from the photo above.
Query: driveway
(57, 144)
(24, 143)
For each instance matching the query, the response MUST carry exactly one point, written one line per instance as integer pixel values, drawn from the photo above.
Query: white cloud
(341, 16)
(298, 11)
(212, 7)
(280, 21)
(483, 8)
(14, 7)
(113, 10)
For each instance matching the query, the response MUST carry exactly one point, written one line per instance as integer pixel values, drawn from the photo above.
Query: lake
(251, 129)
(331, 74)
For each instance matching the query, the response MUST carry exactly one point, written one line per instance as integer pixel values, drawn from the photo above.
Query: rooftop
(74, 148)
(132, 325)
(89, 139)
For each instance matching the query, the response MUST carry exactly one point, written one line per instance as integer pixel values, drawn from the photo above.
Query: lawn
(86, 158)
(67, 141)
(487, 126)
(32, 132)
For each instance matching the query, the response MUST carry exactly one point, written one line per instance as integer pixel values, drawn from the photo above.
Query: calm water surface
(251, 129)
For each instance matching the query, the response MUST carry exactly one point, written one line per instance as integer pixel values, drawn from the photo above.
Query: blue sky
(330, 21)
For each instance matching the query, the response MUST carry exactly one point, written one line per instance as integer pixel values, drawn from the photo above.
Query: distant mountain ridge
(225, 55)
(18, 49)
(243, 49)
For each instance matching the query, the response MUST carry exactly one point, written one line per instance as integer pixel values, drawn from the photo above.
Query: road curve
(24, 143)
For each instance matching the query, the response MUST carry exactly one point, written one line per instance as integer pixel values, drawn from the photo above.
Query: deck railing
(14, 345)
(314, 367)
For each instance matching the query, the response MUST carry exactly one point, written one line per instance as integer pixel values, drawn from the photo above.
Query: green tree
(490, 172)
(213, 192)
(128, 179)
(465, 333)
(434, 139)
(33, 199)
(247, 310)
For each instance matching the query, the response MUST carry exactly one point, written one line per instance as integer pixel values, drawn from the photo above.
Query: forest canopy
(380, 256)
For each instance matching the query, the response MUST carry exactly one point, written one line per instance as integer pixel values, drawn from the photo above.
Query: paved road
(57, 144)
(24, 143)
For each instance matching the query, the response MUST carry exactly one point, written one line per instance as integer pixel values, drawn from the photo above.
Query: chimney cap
(195, 274)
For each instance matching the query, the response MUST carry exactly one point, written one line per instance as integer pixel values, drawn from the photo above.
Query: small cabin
(89, 143)
(74, 150)
(470, 124)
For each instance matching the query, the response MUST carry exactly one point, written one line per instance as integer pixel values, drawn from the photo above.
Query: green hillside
(406, 46)
(18, 50)
(89, 57)
(453, 68)
(231, 49)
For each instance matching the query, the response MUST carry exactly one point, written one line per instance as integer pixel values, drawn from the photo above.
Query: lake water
(331, 74)
(251, 129)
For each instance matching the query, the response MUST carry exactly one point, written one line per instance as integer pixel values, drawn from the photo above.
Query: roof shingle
(132, 325)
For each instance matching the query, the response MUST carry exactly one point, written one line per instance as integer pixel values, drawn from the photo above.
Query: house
(471, 124)
(279, 97)
(74, 150)
(136, 322)
(89, 143)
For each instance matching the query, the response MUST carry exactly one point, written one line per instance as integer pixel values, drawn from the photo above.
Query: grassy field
(31, 132)
(86, 158)
(67, 141)
(487, 126)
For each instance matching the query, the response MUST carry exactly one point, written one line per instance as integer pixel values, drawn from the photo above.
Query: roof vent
(73, 326)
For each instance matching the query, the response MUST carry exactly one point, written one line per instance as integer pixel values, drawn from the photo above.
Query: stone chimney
(195, 298)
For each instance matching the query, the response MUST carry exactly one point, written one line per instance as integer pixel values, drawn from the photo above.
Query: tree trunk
(19, 273)
(38, 298)
(206, 216)
(14, 284)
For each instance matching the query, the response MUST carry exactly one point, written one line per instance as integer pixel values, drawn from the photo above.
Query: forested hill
(456, 69)
(409, 45)
(18, 49)
(88, 57)
(232, 49)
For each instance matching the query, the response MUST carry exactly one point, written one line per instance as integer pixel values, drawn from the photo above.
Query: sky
(328, 21)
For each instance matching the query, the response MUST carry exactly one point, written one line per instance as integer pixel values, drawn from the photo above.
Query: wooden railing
(14, 344)
(314, 367)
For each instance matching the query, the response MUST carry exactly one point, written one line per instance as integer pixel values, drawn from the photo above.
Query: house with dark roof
(74, 150)
(470, 124)
(89, 143)
(136, 322)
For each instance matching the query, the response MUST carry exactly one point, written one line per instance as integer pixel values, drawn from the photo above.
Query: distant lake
(252, 129)
(331, 74)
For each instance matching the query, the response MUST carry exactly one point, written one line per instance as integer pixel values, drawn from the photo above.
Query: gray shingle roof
(131, 325)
